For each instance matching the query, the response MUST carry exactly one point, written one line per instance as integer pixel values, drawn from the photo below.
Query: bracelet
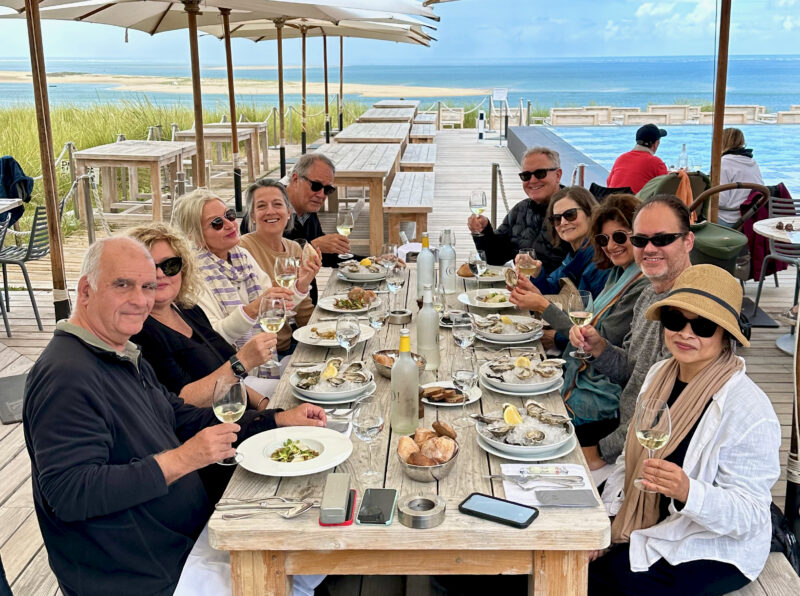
(258, 405)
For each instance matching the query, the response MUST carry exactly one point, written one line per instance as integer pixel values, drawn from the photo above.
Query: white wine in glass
(580, 309)
(286, 270)
(477, 204)
(271, 318)
(653, 428)
(229, 403)
(526, 263)
(344, 225)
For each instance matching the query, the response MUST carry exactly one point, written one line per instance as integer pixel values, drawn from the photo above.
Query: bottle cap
(403, 332)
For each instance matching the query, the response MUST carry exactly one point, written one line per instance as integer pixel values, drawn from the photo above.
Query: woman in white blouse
(234, 282)
(706, 527)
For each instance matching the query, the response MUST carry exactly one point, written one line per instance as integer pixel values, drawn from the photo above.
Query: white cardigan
(732, 463)
(736, 168)
(235, 324)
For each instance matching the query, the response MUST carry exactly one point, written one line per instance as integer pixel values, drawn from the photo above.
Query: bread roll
(384, 359)
(464, 271)
(422, 435)
(439, 448)
(405, 447)
(417, 459)
(443, 429)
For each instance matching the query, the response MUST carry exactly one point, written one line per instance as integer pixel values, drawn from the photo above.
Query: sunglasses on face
(171, 267)
(674, 320)
(317, 186)
(218, 222)
(619, 237)
(539, 174)
(658, 240)
(568, 215)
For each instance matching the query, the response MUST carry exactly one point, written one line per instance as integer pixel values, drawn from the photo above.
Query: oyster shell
(511, 277)
(307, 378)
(547, 372)
(336, 381)
(522, 372)
(354, 268)
(536, 410)
(527, 438)
(496, 377)
(335, 362)
(486, 322)
(485, 419)
(374, 268)
(358, 377)
(354, 367)
(499, 430)
(496, 328)
(524, 327)
(501, 367)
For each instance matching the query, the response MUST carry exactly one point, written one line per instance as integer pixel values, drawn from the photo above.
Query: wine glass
(395, 280)
(477, 262)
(440, 300)
(463, 329)
(286, 270)
(367, 425)
(388, 256)
(653, 428)
(377, 314)
(344, 225)
(477, 204)
(526, 263)
(348, 332)
(580, 308)
(465, 374)
(229, 403)
(271, 317)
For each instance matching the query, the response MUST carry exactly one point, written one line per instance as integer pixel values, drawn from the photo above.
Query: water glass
(229, 403)
(348, 332)
(465, 376)
(653, 428)
(378, 313)
(477, 262)
(463, 329)
(368, 423)
(395, 279)
(388, 257)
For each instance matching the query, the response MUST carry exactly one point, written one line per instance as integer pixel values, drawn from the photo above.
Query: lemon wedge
(365, 262)
(523, 362)
(511, 415)
(329, 372)
(506, 320)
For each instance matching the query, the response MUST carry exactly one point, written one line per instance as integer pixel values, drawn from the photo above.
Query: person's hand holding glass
(465, 375)
(368, 423)
(271, 318)
(344, 225)
(580, 309)
(477, 204)
(286, 271)
(653, 428)
(229, 403)
(348, 332)
(527, 264)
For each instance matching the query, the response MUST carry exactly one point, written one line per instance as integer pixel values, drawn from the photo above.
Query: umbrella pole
(303, 118)
(60, 294)
(341, 83)
(325, 68)
(719, 103)
(237, 170)
(279, 29)
(192, 8)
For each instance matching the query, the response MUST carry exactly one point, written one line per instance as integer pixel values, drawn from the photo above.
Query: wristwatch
(238, 368)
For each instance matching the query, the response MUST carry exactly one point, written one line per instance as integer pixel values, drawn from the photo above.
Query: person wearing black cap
(638, 166)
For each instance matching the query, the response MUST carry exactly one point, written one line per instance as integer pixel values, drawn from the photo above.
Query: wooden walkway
(462, 165)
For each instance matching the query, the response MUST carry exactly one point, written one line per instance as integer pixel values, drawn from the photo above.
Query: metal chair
(3, 229)
(38, 247)
(782, 251)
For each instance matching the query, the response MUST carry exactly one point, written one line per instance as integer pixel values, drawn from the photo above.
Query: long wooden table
(224, 135)
(374, 132)
(260, 141)
(397, 103)
(365, 164)
(388, 115)
(553, 551)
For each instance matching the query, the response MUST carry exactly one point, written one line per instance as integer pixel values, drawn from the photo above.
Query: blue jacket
(579, 268)
(14, 184)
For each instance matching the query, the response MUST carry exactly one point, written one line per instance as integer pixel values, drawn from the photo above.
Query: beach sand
(145, 84)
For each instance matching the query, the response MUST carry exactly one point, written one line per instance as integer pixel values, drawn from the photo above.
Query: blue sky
(472, 31)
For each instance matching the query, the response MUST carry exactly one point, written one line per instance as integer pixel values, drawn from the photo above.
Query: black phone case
(390, 517)
(499, 520)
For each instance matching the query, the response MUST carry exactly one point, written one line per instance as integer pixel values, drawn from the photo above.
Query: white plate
(556, 387)
(535, 337)
(327, 303)
(333, 447)
(474, 395)
(490, 279)
(304, 336)
(336, 399)
(512, 336)
(469, 298)
(363, 276)
(561, 452)
(517, 387)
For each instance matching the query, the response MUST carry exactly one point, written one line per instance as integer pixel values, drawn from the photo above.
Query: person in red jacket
(638, 166)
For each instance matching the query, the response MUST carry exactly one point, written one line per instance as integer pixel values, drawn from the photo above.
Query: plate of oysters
(363, 270)
(332, 379)
(505, 328)
(532, 430)
(522, 374)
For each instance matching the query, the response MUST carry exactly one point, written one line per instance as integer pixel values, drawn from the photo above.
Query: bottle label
(405, 344)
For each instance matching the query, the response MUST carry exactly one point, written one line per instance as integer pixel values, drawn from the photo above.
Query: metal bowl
(429, 473)
(386, 371)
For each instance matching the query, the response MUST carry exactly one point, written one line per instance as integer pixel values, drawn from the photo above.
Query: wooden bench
(418, 157)
(452, 117)
(409, 199)
(422, 133)
(425, 118)
(777, 579)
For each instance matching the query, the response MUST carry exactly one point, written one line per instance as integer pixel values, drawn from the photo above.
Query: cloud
(611, 30)
(785, 3)
(651, 9)
(790, 23)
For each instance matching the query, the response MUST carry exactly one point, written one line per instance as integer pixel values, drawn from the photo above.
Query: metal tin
(399, 317)
(421, 511)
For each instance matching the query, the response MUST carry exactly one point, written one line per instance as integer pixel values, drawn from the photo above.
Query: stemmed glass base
(236, 458)
(580, 354)
(638, 482)
(345, 256)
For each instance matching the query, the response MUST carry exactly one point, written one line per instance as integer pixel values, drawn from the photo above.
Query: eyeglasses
(317, 186)
(171, 266)
(538, 174)
(674, 320)
(569, 215)
(619, 237)
(218, 222)
(658, 240)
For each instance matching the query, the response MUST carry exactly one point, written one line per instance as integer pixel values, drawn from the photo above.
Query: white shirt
(736, 168)
(732, 463)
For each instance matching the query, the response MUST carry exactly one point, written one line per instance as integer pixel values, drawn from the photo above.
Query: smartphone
(377, 506)
(498, 510)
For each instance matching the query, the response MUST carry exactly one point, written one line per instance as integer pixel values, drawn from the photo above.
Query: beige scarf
(640, 509)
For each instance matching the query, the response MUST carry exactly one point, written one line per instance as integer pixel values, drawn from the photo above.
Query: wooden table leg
(108, 180)
(558, 572)
(80, 197)
(255, 573)
(256, 153)
(265, 149)
(375, 215)
(155, 190)
(248, 148)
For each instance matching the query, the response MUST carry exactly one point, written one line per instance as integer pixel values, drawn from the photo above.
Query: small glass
(465, 376)
(440, 300)
(527, 264)
(368, 423)
(271, 318)
(348, 332)
(580, 309)
(388, 257)
(229, 403)
(378, 312)
(653, 428)
(477, 263)
(344, 225)
(477, 204)
(395, 280)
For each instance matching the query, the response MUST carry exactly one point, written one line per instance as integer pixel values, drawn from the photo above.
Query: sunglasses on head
(658, 240)
(218, 222)
(539, 174)
(619, 237)
(171, 267)
(317, 186)
(674, 320)
(569, 215)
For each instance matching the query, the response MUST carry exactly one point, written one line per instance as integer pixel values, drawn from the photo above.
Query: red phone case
(351, 510)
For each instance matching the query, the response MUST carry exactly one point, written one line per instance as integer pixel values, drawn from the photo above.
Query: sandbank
(149, 84)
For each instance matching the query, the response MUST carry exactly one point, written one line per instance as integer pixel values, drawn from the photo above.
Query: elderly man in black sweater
(114, 455)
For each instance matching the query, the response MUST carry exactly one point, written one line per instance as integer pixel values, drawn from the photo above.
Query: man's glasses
(538, 174)
(568, 215)
(171, 267)
(658, 240)
(317, 186)
(619, 237)
(674, 320)
(218, 222)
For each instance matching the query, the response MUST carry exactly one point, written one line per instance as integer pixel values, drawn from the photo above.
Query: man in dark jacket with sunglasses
(524, 225)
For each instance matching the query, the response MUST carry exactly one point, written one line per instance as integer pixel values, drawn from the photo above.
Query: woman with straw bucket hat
(700, 523)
